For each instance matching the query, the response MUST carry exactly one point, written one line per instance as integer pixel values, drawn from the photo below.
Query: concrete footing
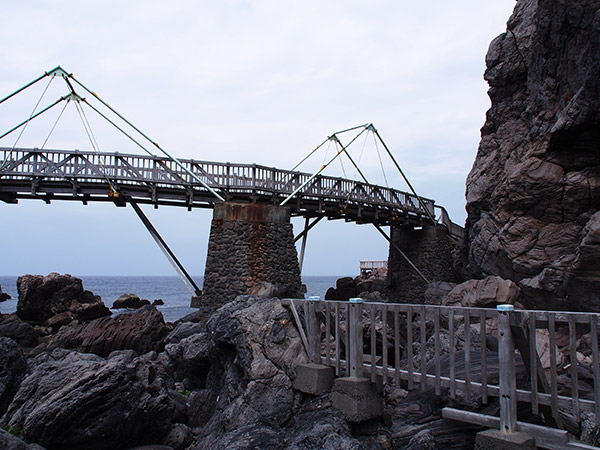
(357, 398)
(314, 379)
(499, 440)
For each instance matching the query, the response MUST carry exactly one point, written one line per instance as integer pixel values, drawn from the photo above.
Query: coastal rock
(436, 292)
(11, 442)
(20, 332)
(72, 400)
(4, 296)
(142, 330)
(131, 301)
(485, 293)
(189, 359)
(345, 288)
(41, 297)
(533, 194)
(13, 369)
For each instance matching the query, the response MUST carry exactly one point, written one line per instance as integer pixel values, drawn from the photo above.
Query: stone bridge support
(430, 250)
(250, 251)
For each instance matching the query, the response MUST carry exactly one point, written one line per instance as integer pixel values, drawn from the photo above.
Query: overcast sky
(244, 81)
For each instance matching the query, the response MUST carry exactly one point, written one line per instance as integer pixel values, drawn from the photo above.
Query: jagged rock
(142, 330)
(11, 442)
(72, 400)
(179, 437)
(253, 350)
(181, 330)
(533, 194)
(189, 359)
(13, 368)
(20, 332)
(41, 297)
(158, 302)
(483, 293)
(4, 296)
(131, 301)
(345, 288)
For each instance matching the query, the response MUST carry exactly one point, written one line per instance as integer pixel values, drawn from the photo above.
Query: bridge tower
(430, 249)
(251, 251)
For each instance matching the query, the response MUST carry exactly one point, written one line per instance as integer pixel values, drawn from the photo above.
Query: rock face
(13, 368)
(20, 332)
(142, 330)
(4, 296)
(72, 401)
(533, 194)
(41, 298)
(485, 293)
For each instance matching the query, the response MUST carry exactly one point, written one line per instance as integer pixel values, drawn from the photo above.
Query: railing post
(314, 332)
(508, 383)
(355, 329)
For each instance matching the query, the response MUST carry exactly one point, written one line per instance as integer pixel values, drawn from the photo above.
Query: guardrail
(403, 344)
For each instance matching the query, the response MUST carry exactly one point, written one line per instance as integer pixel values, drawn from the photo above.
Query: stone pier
(430, 250)
(250, 251)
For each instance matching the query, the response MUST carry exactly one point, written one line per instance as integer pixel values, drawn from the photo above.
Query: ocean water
(168, 288)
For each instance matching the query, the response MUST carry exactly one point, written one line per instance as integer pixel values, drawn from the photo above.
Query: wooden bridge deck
(87, 176)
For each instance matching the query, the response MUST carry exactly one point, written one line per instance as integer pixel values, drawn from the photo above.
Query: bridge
(251, 245)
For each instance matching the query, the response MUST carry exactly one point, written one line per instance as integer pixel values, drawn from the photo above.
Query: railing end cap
(355, 300)
(505, 308)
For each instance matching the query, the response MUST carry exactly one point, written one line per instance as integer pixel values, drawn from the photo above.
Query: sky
(259, 81)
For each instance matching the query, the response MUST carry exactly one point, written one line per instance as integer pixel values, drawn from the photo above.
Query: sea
(170, 289)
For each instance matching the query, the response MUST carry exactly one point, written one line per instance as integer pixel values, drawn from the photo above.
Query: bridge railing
(468, 351)
(89, 167)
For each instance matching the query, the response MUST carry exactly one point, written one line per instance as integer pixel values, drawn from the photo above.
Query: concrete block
(313, 378)
(357, 398)
(196, 301)
(499, 440)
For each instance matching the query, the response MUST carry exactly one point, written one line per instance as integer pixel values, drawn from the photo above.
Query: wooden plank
(347, 347)
(573, 360)
(373, 342)
(438, 368)
(423, 348)
(533, 364)
(452, 355)
(337, 339)
(596, 364)
(384, 342)
(300, 328)
(483, 334)
(467, 328)
(506, 357)
(355, 330)
(409, 346)
(327, 332)
(397, 346)
(553, 386)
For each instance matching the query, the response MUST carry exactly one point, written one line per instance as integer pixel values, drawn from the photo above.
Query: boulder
(4, 296)
(158, 302)
(142, 330)
(436, 292)
(345, 288)
(13, 369)
(9, 441)
(130, 301)
(41, 298)
(189, 359)
(72, 400)
(533, 194)
(20, 332)
(486, 293)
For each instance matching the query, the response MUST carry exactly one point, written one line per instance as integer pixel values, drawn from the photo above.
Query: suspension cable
(55, 123)
(380, 161)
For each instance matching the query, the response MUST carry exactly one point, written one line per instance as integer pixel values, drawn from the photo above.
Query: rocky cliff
(533, 194)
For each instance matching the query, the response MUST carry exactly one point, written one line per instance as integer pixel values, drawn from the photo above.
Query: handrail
(387, 330)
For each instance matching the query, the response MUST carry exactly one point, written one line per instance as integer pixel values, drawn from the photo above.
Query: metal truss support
(185, 277)
(303, 235)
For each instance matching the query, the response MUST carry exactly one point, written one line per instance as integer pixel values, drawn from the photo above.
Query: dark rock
(131, 301)
(345, 288)
(202, 407)
(533, 194)
(10, 442)
(20, 332)
(13, 369)
(4, 296)
(189, 359)
(142, 330)
(72, 401)
(158, 302)
(179, 437)
(249, 437)
(182, 330)
(437, 291)
(41, 297)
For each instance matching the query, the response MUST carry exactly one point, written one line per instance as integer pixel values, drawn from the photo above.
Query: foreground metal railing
(470, 352)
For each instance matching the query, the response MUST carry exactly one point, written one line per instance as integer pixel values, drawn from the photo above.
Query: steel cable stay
(55, 124)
